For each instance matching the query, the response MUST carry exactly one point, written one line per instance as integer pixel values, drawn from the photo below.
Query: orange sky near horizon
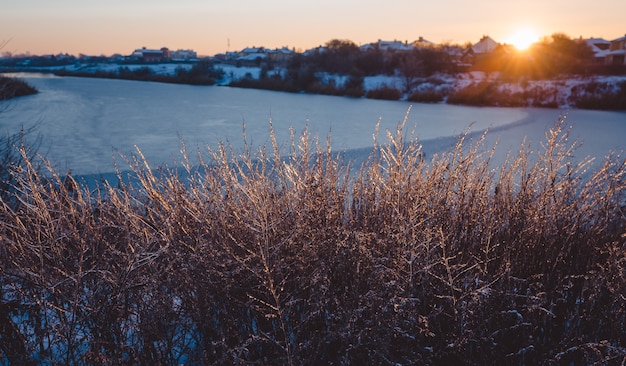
(119, 26)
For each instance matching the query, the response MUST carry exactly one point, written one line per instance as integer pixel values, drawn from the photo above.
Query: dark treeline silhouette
(553, 56)
(202, 72)
(13, 87)
(305, 72)
(419, 67)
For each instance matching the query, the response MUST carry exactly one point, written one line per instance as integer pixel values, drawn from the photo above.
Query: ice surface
(84, 121)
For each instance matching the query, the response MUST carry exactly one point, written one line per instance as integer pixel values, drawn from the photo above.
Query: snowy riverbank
(604, 92)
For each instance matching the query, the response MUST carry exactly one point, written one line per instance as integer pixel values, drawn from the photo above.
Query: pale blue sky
(120, 26)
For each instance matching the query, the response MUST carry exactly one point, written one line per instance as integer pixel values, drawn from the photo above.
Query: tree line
(304, 72)
(419, 70)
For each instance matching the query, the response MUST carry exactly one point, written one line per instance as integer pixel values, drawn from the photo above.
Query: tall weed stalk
(271, 258)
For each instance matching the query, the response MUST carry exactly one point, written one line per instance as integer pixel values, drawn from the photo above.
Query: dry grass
(255, 258)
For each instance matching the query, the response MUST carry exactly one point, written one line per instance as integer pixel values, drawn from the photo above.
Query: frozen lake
(85, 122)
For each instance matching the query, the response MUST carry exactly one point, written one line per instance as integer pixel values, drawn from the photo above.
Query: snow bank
(559, 90)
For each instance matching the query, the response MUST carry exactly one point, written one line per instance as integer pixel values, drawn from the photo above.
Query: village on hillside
(605, 52)
(556, 72)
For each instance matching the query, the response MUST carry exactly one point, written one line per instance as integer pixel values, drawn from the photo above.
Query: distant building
(456, 54)
(617, 52)
(600, 48)
(280, 55)
(151, 55)
(485, 45)
(251, 56)
(251, 51)
(254, 56)
(183, 55)
(316, 50)
(423, 43)
(388, 46)
(118, 58)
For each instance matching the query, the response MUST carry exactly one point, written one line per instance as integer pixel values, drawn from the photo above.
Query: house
(388, 46)
(617, 52)
(254, 56)
(254, 59)
(485, 46)
(183, 55)
(151, 55)
(251, 56)
(600, 48)
(118, 58)
(456, 54)
(228, 56)
(423, 43)
(316, 50)
(251, 51)
(280, 55)
(366, 47)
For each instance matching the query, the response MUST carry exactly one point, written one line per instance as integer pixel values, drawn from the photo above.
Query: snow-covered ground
(159, 69)
(559, 89)
(232, 72)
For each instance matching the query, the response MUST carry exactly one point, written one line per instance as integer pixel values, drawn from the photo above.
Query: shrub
(276, 84)
(354, 86)
(600, 96)
(14, 150)
(481, 94)
(487, 93)
(427, 96)
(202, 73)
(384, 92)
(12, 88)
(256, 258)
(325, 88)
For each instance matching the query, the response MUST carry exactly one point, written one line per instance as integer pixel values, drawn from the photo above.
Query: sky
(209, 27)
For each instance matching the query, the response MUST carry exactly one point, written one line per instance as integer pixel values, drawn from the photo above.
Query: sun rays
(523, 38)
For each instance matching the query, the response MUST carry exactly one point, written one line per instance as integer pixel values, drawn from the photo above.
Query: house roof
(253, 57)
(250, 50)
(421, 42)
(319, 49)
(594, 41)
(599, 46)
(283, 50)
(147, 51)
(389, 45)
(394, 45)
(453, 50)
(485, 45)
(620, 39)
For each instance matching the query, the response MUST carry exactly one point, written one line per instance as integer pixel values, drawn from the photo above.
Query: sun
(523, 38)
